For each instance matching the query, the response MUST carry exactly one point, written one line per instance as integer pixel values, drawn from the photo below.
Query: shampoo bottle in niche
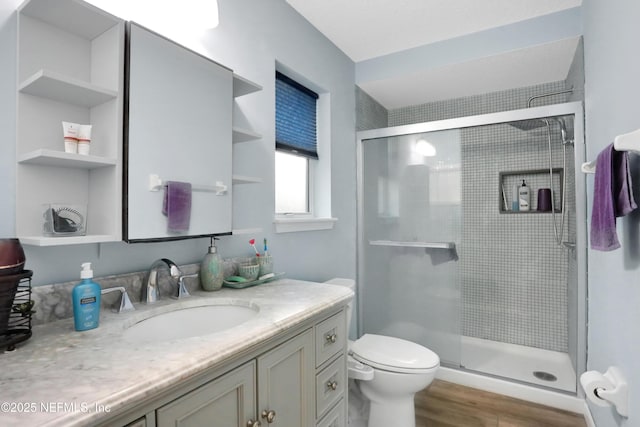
(523, 197)
(514, 201)
(212, 269)
(86, 301)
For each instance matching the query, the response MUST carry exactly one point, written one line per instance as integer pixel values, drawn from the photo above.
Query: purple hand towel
(622, 186)
(612, 197)
(176, 206)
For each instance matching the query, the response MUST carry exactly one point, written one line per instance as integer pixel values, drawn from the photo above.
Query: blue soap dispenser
(86, 301)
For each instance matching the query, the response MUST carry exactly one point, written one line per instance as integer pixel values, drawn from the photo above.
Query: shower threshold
(521, 363)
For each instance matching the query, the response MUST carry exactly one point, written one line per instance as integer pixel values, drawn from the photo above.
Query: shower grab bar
(625, 142)
(428, 245)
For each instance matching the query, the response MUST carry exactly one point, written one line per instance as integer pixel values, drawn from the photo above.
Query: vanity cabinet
(70, 67)
(300, 381)
(278, 383)
(286, 383)
(228, 401)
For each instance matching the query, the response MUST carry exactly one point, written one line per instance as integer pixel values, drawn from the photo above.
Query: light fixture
(204, 13)
(425, 148)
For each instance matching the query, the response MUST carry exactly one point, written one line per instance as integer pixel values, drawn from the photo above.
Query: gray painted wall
(612, 67)
(251, 37)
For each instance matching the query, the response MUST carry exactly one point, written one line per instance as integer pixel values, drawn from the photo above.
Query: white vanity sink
(189, 322)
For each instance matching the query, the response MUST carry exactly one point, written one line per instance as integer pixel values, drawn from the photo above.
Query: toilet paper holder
(611, 389)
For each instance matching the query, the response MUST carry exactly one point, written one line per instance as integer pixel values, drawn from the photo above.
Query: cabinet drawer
(330, 385)
(330, 337)
(335, 418)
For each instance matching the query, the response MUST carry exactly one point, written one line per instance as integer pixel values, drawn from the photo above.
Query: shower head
(531, 124)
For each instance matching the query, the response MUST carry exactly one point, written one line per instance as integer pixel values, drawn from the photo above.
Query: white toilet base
(400, 413)
(391, 395)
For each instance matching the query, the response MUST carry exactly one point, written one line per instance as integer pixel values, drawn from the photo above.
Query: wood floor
(446, 404)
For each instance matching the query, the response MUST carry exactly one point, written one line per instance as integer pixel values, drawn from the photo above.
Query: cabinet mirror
(177, 141)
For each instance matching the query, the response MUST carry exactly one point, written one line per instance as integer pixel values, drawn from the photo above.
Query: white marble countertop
(60, 377)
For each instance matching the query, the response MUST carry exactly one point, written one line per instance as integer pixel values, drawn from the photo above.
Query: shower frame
(572, 108)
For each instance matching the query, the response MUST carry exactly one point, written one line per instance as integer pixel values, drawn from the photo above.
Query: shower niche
(535, 179)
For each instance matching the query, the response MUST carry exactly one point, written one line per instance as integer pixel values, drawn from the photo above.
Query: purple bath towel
(612, 197)
(176, 206)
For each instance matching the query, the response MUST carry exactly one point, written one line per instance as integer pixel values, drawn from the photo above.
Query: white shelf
(71, 53)
(71, 240)
(244, 135)
(76, 17)
(426, 245)
(52, 85)
(242, 86)
(243, 179)
(44, 157)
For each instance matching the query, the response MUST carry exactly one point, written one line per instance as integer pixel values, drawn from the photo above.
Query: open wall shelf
(70, 65)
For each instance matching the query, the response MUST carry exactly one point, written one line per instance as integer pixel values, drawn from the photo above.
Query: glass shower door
(409, 274)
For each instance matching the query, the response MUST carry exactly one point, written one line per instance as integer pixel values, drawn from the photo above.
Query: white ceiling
(518, 68)
(366, 29)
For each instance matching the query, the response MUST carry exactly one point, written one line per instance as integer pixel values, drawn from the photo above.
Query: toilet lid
(393, 354)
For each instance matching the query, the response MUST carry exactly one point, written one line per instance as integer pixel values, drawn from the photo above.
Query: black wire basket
(16, 308)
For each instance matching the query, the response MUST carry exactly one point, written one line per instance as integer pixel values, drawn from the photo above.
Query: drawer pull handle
(269, 415)
(331, 338)
(332, 385)
(252, 423)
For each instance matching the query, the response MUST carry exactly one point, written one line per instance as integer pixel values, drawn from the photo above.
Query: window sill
(290, 225)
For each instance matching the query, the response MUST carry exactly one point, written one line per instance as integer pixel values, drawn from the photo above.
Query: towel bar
(156, 184)
(625, 142)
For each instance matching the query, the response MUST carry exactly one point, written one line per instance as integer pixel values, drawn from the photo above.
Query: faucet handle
(182, 291)
(125, 302)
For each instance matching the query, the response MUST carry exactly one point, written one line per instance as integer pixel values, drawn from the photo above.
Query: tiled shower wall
(369, 113)
(513, 275)
(513, 99)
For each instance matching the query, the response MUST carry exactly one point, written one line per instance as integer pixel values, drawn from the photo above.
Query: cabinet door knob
(252, 423)
(332, 385)
(331, 338)
(269, 415)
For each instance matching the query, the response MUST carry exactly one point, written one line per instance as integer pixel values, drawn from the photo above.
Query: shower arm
(547, 94)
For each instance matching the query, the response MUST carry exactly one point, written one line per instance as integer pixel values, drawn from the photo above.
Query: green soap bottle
(212, 269)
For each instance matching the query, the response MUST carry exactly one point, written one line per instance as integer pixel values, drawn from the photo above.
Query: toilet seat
(394, 354)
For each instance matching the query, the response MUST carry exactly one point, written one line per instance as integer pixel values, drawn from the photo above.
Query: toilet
(388, 372)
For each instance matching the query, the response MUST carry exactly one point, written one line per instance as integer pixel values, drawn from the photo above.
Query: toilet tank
(352, 316)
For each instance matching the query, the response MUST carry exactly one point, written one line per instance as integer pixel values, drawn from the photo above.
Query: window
(303, 156)
(296, 145)
(292, 183)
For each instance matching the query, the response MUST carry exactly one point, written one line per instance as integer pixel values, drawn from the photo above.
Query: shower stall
(449, 258)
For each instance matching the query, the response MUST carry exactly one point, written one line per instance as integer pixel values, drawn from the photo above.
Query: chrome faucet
(151, 290)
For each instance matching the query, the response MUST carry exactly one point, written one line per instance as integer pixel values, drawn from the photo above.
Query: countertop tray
(242, 285)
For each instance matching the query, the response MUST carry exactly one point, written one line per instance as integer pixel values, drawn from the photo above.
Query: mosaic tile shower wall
(369, 113)
(513, 99)
(513, 274)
